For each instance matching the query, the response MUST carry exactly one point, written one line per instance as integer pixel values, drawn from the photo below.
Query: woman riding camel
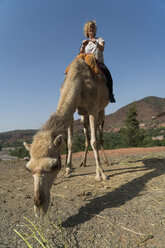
(96, 46)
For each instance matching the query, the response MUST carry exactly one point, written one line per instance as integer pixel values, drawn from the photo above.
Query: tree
(131, 135)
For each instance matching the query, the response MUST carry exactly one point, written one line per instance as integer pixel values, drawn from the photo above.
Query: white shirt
(92, 48)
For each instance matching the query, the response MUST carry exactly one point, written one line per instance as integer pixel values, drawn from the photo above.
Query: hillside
(17, 136)
(147, 109)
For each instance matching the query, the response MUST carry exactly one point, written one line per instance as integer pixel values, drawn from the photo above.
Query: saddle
(91, 62)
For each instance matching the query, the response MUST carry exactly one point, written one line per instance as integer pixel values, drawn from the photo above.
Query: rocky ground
(128, 210)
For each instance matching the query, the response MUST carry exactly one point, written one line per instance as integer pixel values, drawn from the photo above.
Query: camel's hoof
(97, 178)
(107, 163)
(36, 212)
(67, 175)
(83, 164)
(67, 170)
(105, 178)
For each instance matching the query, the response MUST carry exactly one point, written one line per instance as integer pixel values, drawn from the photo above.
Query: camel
(80, 90)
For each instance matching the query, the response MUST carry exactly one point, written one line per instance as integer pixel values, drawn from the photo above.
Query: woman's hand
(85, 42)
(99, 45)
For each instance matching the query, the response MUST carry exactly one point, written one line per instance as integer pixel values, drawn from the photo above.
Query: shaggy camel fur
(81, 91)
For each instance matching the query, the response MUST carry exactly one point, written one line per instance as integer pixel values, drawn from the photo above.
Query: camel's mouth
(39, 211)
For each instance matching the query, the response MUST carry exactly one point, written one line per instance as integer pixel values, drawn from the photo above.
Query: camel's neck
(67, 104)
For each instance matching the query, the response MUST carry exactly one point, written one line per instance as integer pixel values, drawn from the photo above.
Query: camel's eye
(54, 167)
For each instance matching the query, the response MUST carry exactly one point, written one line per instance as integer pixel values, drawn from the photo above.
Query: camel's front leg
(101, 144)
(70, 150)
(85, 122)
(100, 126)
(99, 170)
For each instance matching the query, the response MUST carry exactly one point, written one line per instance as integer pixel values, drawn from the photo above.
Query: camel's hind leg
(100, 127)
(85, 122)
(99, 170)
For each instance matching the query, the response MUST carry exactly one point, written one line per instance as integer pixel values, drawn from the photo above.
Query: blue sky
(39, 38)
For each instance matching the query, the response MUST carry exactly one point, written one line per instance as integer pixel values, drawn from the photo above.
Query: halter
(40, 170)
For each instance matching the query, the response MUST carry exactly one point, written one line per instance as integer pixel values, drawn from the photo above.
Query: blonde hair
(87, 25)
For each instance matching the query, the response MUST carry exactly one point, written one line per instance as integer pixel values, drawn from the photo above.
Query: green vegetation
(131, 135)
(38, 233)
(19, 152)
(149, 142)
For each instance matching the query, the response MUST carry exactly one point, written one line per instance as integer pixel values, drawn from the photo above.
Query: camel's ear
(58, 141)
(27, 146)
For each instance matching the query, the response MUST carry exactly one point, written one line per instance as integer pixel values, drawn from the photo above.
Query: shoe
(111, 98)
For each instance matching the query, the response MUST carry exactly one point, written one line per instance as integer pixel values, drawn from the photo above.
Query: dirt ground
(127, 211)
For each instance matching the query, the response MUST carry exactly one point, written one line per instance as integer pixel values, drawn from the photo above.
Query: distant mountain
(148, 108)
(16, 137)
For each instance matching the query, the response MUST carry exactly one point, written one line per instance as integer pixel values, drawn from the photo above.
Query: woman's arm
(99, 45)
(84, 43)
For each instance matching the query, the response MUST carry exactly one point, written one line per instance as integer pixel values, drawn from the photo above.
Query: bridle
(40, 171)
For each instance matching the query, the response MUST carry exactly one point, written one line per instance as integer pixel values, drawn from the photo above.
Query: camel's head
(44, 164)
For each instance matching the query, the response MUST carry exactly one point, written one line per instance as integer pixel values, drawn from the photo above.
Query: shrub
(19, 152)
